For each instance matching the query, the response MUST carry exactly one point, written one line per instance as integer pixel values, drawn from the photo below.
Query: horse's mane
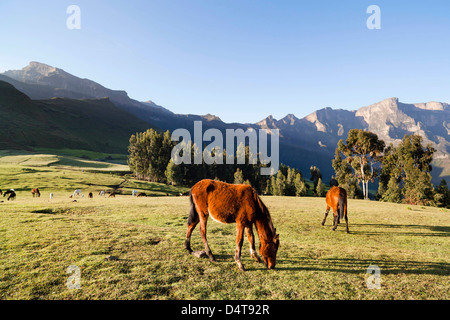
(264, 212)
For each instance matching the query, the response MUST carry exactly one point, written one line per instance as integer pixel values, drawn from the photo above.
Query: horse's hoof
(199, 254)
(241, 268)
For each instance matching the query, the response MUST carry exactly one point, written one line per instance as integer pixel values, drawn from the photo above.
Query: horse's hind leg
(190, 229)
(336, 220)
(251, 239)
(205, 242)
(326, 214)
(346, 223)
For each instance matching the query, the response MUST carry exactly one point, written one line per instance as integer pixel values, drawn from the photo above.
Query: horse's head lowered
(268, 250)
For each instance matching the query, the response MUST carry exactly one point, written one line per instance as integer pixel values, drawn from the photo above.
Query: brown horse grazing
(91, 195)
(35, 193)
(337, 200)
(240, 204)
(141, 194)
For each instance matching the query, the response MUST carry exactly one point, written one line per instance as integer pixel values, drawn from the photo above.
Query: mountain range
(53, 98)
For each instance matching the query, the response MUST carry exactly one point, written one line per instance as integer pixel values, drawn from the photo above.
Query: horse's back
(224, 199)
(224, 191)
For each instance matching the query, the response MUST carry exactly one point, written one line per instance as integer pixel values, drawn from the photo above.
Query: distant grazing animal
(51, 195)
(101, 193)
(229, 203)
(91, 195)
(112, 195)
(35, 193)
(76, 193)
(8, 192)
(12, 194)
(141, 194)
(337, 200)
(134, 193)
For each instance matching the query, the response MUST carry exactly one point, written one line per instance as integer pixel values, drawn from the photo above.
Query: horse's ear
(276, 241)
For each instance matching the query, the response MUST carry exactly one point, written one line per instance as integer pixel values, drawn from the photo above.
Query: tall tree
(442, 195)
(315, 175)
(238, 177)
(409, 166)
(393, 192)
(320, 189)
(300, 186)
(363, 150)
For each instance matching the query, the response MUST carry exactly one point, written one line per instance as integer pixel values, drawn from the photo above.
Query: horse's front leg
(251, 239)
(205, 242)
(239, 242)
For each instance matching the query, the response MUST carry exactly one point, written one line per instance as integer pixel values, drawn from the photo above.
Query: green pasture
(41, 237)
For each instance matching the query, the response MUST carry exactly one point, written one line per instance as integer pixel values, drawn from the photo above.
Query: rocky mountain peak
(267, 123)
(40, 68)
(432, 105)
(34, 72)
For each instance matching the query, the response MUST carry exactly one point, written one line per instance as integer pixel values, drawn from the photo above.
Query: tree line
(150, 159)
(402, 171)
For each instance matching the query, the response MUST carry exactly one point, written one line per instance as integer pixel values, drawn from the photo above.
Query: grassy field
(40, 238)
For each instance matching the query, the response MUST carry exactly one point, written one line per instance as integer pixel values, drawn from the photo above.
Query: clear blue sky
(240, 59)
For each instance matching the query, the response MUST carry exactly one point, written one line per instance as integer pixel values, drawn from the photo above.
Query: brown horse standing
(240, 204)
(337, 200)
(35, 193)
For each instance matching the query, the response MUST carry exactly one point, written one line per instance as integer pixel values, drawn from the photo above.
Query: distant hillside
(64, 123)
(304, 142)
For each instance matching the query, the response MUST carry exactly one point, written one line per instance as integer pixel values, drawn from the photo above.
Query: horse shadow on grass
(345, 265)
(351, 265)
(358, 266)
(432, 231)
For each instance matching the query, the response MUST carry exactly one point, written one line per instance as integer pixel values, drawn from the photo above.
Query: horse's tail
(342, 204)
(193, 214)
